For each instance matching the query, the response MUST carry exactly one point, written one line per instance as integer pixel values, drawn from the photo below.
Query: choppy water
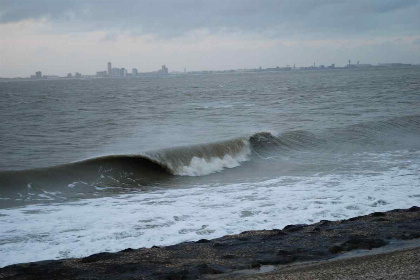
(102, 165)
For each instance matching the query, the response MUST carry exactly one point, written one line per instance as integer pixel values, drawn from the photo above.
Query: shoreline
(293, 249)
(392, 264)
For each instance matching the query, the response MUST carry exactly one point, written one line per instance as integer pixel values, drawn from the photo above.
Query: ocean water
(98, 165)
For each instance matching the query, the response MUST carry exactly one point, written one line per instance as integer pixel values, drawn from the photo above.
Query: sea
(101, 165)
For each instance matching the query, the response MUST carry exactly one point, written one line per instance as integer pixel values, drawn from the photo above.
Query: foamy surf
(202, 166)
(204, 159)
(166, 217)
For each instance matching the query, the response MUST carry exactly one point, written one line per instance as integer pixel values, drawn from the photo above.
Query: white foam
(164, 217)
(201, 166)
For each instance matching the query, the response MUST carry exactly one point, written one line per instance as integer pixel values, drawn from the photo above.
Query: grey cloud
(269, 17)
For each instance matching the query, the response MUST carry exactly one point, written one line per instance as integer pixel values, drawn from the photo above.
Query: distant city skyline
(59, 37)
(118, 72)
(114, 72)
(109, 72)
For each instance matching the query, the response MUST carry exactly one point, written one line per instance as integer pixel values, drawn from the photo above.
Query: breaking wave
(203, 159)
(155, 167)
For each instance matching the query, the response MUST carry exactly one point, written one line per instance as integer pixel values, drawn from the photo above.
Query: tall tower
(109, 69)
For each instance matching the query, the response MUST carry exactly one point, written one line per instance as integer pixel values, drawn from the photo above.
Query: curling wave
(155, 167)
(203, 159)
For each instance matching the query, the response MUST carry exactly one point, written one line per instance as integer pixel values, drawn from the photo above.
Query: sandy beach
(399, 264)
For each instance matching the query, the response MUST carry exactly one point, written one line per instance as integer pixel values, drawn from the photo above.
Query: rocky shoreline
(220, 257)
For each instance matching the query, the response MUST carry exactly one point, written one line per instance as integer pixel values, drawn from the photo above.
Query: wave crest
(203, 159)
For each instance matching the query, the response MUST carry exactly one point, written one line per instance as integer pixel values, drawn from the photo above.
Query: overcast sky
(62, 36)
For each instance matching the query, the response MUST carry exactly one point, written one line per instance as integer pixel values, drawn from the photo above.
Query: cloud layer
(60, 36)
(269, 17)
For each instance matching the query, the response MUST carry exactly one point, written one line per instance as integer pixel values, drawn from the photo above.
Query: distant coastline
(164, 71)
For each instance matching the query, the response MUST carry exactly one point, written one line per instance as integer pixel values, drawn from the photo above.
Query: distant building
(115, 71)
(360, 65)
(101, 74)
(164, 70)
(109, 69)
(77, 75)
(278, 69)
(123, 72)
(38, 75)
(69, 75)
(134, 72)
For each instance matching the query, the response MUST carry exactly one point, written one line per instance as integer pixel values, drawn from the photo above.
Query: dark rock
(309, 254)
(293, 228)
(275, 234)
(210, 269)
(203, 241)
(99, 257)
(315, 230)
(355, 243)
(255, 265)
(283, 253)
(377, 214)
(218, 244)
(176, 275)
(283, 259)
(335, 249)
(123, 268)
(414, 209)
(381, 220)
(127, 250)
(408, 236)
(279, 259)
(279, 232)
(228, 256)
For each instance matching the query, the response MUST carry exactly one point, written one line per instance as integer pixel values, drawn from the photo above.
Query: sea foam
(165, 217)
(202, 166)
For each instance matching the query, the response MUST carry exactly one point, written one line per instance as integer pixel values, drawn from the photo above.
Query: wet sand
(399, 264)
